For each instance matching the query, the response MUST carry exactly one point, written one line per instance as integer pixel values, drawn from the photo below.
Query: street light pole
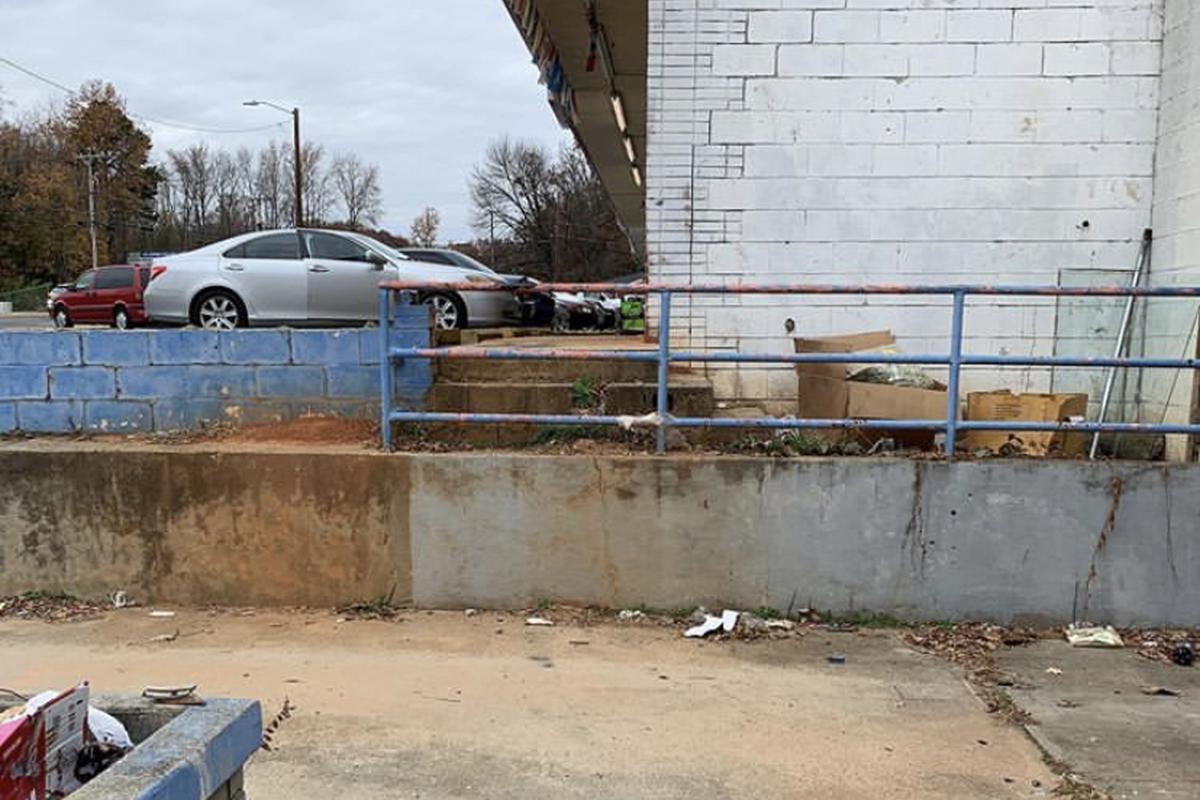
(296, 154)
(299, 172)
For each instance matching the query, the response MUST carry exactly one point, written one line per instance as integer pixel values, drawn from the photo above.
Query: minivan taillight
(155, 271)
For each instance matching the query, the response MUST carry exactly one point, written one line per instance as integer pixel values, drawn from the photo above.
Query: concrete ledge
(190, 757)
(1000, 540)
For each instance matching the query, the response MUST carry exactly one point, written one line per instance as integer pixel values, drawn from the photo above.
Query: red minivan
(103, 296)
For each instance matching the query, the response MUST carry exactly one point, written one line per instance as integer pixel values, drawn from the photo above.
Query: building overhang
(592, 56)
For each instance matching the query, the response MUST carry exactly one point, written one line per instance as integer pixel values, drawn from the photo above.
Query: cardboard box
(827, 393)
(22, 759)
(1006, 406)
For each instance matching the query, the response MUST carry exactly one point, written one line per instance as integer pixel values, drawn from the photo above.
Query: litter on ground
(1083, 635)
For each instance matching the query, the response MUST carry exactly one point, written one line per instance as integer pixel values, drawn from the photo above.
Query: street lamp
(295, 112)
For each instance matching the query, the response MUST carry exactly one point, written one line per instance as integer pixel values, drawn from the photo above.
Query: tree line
(188, 198)
(534, 211)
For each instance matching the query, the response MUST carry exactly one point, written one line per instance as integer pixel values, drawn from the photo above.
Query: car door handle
(234, 267)
(318, 268)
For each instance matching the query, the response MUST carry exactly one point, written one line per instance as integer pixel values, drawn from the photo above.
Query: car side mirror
(376, 260)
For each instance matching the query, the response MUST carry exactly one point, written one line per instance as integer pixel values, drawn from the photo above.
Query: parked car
(112, 295)
(537, 308)
(309, 277)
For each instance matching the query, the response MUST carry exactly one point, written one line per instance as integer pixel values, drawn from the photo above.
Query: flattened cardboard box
(1006, 406)
(827, 393)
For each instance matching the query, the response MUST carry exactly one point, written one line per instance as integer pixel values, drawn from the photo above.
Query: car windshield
(381, 248)
(465, 261)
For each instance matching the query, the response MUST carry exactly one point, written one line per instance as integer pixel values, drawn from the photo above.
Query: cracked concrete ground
(447, 706)
(1094, 717)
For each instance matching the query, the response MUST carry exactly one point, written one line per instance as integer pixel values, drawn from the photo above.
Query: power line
(33, 74)
(143, 117)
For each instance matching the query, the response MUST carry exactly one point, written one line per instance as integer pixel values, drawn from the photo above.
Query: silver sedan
(308, 277)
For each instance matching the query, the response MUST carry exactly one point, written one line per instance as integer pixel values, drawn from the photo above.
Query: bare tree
(271, 186)
(552, 214)
(194, 170)
(357, 187)
(425, 228)
(316, 183)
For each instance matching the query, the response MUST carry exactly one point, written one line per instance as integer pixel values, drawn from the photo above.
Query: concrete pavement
(441, 705)
(1095, 718)
(25, 320)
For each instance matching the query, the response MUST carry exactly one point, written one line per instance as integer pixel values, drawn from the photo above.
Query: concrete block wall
(162, 380)
(895, 141)
(1170, 325)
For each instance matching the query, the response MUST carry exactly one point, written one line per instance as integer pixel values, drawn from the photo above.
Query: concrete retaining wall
(129, 381)
(997, 540)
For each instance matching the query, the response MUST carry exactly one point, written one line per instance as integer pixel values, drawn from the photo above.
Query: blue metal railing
(661, 420)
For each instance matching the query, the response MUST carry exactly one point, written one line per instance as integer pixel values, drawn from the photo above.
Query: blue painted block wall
(163, 380)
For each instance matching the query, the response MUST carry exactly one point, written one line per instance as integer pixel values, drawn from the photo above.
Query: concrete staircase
(493, 386)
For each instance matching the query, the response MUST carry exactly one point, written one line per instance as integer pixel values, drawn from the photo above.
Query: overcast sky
(417, 86)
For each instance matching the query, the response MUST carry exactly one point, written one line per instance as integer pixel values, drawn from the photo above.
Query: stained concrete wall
(204, 527)
(996, 540)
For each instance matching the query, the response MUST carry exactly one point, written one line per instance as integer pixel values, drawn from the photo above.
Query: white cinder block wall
(936, 141)
(1171, 325)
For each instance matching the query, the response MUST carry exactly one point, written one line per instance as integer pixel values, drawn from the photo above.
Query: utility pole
(89, 160)
(299, 172)
(299, 189)
(492, 239)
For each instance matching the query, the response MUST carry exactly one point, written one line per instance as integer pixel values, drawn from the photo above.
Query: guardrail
(30, 298)
(665, 356)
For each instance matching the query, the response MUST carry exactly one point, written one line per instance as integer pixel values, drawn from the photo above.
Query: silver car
(308, 277)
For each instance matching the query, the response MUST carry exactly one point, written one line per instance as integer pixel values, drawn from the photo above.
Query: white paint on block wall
(895, 141)
(1170, 329)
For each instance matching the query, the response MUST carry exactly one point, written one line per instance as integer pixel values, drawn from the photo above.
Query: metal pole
(664, 361)
(385, 365)
(956, 333)
(91, 186)
(299, 178)
(1122, 334)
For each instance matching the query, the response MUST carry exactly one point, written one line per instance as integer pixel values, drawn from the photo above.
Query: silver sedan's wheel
(447, 315)
(218, 312)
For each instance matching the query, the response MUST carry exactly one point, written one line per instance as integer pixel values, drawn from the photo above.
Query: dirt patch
(308, 429)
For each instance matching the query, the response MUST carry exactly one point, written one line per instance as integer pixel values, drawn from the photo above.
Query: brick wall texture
(135, 381)
(939, 141)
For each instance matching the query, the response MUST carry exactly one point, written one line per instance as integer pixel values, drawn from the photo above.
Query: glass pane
(278, 245)
(118, 278)
(326, 245)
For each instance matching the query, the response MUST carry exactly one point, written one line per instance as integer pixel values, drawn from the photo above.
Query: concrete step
(688, 395)
(486, 370)
(496, 371)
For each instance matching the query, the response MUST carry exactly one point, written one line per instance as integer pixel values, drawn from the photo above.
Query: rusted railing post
(385, 364)
(956, 333)
(664, 363)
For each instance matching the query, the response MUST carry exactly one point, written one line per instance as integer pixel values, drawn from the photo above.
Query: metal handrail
(663, 356)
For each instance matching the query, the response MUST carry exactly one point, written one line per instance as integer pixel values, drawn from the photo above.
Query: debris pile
(1167, 646)
(969, 644)
(50, 607)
